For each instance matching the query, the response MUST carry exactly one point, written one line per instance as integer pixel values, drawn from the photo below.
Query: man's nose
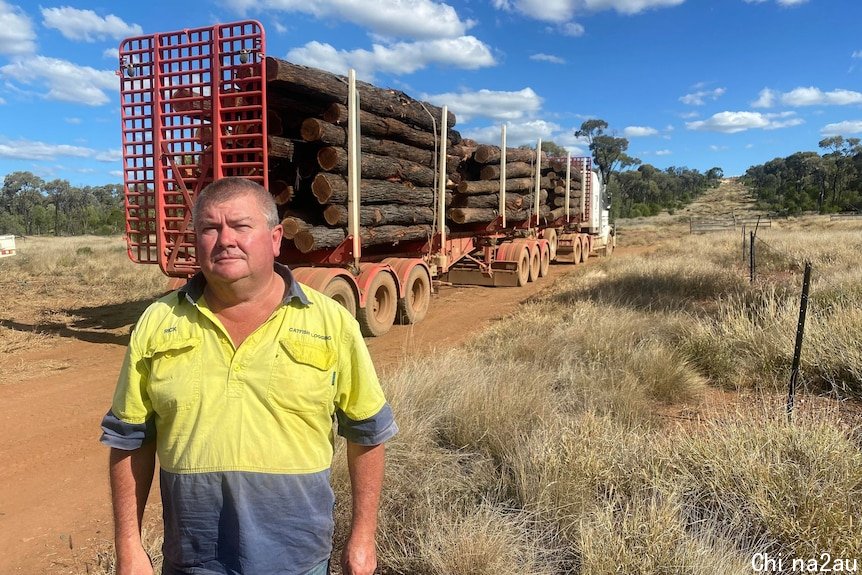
(226, 236)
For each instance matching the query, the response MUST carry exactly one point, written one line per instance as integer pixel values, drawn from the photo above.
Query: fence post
(743, 243)
(800, 332)
(751, 261)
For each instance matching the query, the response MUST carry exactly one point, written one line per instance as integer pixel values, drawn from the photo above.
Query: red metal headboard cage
(193, 106)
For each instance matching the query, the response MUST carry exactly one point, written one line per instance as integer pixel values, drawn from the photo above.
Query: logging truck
(381, 199)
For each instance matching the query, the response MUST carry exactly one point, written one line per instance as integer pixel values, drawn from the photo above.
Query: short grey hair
(229, 188)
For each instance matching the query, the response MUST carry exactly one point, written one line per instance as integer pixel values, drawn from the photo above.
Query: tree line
(30, 205)
(809, 181)
(632, 188)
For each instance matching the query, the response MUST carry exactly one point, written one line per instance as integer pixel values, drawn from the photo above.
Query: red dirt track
(54, 498)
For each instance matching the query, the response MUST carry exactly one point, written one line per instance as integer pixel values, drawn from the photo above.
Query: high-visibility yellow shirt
(252, 419)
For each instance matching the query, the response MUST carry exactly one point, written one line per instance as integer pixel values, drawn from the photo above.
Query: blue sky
(696, 83)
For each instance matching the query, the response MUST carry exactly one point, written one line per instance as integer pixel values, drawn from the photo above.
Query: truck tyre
(381, 303)
(551, 236)
(576, 250)
(413, 307)
(544, 259)
(523, 266)
(609, 247)
(339, 289)
(585, 248)
(535, 264)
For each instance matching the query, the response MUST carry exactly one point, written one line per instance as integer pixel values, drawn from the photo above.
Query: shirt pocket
(175, 375)
(302, 376)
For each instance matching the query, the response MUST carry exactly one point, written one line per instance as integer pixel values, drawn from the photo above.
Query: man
(234, 380)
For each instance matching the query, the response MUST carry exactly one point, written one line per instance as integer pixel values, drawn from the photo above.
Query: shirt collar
(194, 288)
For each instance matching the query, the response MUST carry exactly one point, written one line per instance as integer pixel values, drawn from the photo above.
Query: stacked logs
(307, 125)
(399, 138)
(476, 197)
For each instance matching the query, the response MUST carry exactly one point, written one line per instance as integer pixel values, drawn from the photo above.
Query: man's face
(234, 241)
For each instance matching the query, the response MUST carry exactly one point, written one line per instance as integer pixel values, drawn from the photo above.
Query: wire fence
(755, 249)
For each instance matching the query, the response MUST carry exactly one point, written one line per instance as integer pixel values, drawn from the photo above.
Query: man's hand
(134, 561)
(131, 474)
(359, 557)
(365, 463)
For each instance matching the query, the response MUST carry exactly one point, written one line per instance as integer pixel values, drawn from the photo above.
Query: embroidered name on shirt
(170, 329)
(309, 333)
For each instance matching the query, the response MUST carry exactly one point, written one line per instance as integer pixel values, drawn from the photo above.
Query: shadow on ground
(102, 324)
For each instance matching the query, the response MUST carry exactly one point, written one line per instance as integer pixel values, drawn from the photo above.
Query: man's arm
(131, 477)
(365, 463)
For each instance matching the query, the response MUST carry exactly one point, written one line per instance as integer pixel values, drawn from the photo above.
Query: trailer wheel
(417, 297)
(576, 250)
(551, 236)
(535, 264)
(523, 266)
(381, 303)
(339, 290)
(585, 248)
(609, 248)
(544, 259)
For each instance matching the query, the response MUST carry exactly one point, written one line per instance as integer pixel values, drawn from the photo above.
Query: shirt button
(236, 368)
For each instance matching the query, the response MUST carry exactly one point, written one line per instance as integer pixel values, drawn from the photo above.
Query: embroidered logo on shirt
(170, 329)
(301, 331)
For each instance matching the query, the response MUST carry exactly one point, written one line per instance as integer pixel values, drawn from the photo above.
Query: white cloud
(73, 121)
(113, 155)
(65, 81)
(779, 2)
(116, 173)
(547, 58)
(489, 104)
(639, 131)
(765, 99)
(715, 148)
(571, 29)
(517, 133)
(733, 122)
(398, 58)
(2, 101)
(629, 6)
(811, 96)
(17, 36)
(33, 150)
(663, 153)
(842, 128)
(86, 25)
(409, 18)
(699, 98)
(557, 10)
(112, 53)
(856, 54)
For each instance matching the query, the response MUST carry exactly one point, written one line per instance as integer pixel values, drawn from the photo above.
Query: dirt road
(54, 503)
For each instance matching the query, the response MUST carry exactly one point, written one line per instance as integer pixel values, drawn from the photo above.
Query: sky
(689, 83)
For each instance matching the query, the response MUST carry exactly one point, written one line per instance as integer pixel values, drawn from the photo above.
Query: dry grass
(82, 287)
(573, 437)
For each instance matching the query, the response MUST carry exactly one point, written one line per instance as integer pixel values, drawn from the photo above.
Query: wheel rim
(414, 305)
(378, 315)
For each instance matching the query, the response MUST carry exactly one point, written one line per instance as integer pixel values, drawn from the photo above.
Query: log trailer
(198, 105)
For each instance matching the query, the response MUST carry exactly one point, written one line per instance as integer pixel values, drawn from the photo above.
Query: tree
(21, 196)
(608, 151)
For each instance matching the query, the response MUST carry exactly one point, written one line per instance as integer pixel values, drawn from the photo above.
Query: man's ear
(276, 234)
